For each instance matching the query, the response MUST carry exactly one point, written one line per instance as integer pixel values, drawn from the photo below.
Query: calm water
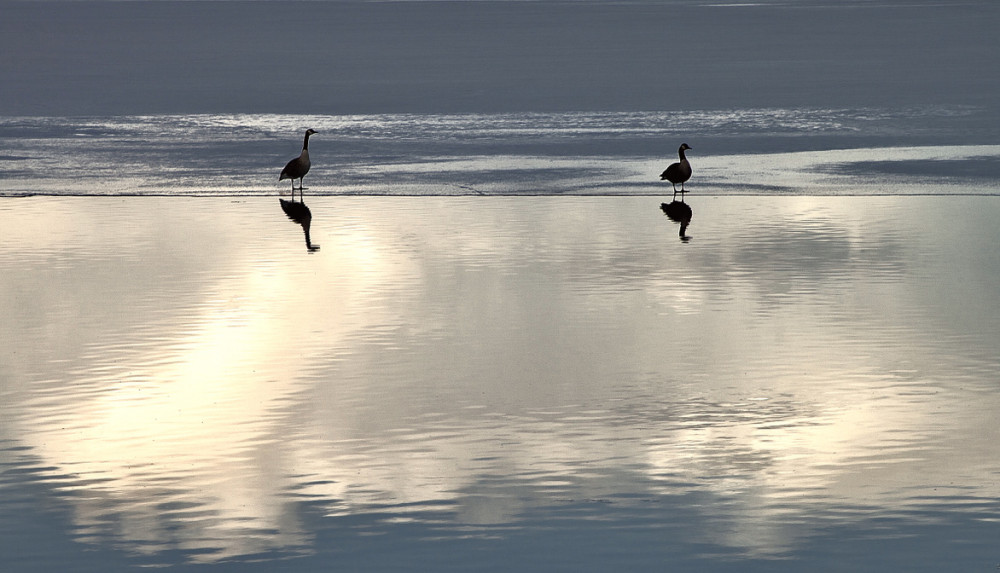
(934, 149)
(502, 356)
(500, 383)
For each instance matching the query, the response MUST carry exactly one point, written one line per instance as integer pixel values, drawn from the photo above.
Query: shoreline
(262, 195)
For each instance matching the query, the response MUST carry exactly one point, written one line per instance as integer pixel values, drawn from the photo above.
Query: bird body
(298, 167)
(678, 172)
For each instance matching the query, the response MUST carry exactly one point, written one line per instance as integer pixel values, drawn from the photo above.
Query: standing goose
(298, 167)
(678, 172)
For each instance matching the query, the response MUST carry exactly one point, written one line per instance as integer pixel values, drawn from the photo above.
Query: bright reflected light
(467, 361)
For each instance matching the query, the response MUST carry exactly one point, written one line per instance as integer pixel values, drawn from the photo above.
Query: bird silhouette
(298, 167)
(299, 213)
(678, 172)
(679, 212)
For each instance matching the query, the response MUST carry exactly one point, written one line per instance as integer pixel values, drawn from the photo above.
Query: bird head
(685, 146)
(311, 131)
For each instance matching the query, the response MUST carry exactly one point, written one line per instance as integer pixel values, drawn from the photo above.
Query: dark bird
(678, 172)
(678, 212)
(298, 167)
(299, 213)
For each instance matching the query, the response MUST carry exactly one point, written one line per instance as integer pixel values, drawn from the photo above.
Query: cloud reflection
(439, 358)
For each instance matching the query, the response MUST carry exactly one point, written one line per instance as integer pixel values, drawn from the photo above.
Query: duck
(678, 172)
(298, 167)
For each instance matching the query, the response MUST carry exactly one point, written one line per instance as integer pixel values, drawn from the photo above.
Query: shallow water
(939, 149)
(499, 383)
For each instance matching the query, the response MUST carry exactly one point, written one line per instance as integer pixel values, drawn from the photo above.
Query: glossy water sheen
(506, 384)
(802, 151)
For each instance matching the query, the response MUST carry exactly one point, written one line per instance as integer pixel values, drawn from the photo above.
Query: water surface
(499, 383)
(934, 149)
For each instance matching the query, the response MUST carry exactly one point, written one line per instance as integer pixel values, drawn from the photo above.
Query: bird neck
(305, 143)
(681, 153)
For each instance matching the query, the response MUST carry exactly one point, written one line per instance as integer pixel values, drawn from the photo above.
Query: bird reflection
(299, 213)
(679, 212)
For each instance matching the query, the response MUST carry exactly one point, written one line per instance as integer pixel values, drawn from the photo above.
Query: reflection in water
(448, 375)
(299, 213)
(679, 212)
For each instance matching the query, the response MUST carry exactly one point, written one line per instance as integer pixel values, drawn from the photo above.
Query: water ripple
(788, 151)
(450, 371)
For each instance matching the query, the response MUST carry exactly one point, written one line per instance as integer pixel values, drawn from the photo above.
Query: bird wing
(289, 170)
(670, 171)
